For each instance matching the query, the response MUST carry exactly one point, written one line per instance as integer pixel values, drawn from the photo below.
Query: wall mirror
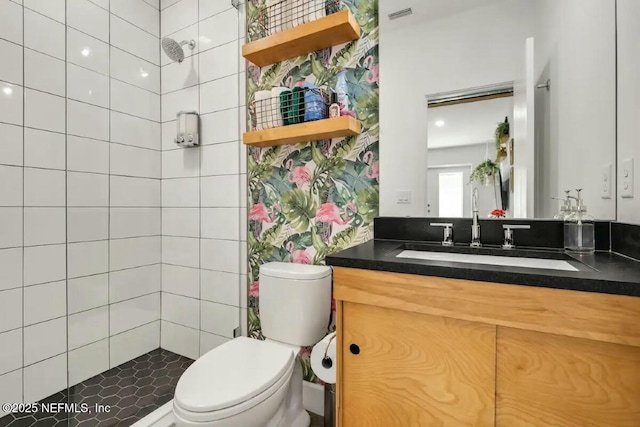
(513, 97)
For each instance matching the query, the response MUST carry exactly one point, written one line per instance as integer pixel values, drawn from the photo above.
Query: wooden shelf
(332, 30)
(303, 132)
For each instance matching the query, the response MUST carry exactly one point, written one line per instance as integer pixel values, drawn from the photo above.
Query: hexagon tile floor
(132, 390)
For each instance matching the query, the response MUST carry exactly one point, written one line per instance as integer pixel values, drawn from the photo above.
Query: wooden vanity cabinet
(425, 351)
(415, 370)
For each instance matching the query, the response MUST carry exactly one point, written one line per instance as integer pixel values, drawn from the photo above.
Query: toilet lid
(232, 374)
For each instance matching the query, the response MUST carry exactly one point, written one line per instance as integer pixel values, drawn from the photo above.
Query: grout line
(161, 169)
(200, 299)
(49, 358)
(65, 97)
(207, 176)
(199, 52)
(158, 66)
(109, 45)
(44, 16)
(202, 238)
(208, 112)
(81, 277)
(23, 197)
(195, 329)
(135, 25)
(194, 23)
(79, 172)
(136, 327)
(199, 204)
(91, 343)
(108, 305)
(173, 4)
(242, 150)
(110, 77)
(202, 83)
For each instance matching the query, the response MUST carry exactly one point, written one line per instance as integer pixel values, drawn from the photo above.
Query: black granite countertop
(602, 272)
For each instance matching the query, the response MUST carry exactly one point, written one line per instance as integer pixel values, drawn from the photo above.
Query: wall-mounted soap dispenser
(187, 128)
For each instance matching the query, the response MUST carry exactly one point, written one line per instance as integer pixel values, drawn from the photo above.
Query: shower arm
(190, 43)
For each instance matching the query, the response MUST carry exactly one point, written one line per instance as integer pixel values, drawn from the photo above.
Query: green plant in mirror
(484, 171)
(502, 133)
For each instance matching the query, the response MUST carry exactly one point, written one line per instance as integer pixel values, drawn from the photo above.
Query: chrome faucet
(475, 227)
(508, 234)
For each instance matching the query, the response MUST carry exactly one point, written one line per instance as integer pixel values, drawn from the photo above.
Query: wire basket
(283, 107)
(281, 15)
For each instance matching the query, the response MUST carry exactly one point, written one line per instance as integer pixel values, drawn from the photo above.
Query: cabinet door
(556, 381)
(407, 369)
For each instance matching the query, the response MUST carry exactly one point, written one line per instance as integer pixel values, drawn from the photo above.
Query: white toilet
(251, 383)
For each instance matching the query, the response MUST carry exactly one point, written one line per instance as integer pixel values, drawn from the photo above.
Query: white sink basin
(547, 264)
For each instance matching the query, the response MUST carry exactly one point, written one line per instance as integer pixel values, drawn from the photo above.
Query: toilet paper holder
(187, 129)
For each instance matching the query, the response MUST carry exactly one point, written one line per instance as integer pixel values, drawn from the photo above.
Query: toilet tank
(295, 302)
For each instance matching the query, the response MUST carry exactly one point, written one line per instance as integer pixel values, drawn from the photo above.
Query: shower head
(173, 49)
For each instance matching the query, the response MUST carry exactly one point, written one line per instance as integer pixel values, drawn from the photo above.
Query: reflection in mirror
(468, 136)
(547, 66)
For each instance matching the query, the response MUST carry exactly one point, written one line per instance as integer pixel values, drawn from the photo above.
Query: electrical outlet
(403, 197)
(606, 181)
(626, 186)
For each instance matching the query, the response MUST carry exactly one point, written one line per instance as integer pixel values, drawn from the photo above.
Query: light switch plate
(606, 181)
(403, 197)
(626, 185)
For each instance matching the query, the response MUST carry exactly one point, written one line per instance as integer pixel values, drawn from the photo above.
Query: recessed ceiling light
(7, 90)
(143, 73)
(86, 51)
(439, 123)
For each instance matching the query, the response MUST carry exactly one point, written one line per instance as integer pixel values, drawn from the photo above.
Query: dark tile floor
(131, 391)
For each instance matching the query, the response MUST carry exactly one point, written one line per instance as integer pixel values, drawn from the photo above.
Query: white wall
(574, 48)
(79, 191)
(629, 103)
(204, 188)
(424, 59)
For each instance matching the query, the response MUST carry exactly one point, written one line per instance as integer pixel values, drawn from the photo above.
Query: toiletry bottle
(334, 108)
(566, 208)
(342, 91)
(579, 229)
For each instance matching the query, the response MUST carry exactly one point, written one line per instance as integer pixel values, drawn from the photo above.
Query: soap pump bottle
(566, 208)
(579, 228)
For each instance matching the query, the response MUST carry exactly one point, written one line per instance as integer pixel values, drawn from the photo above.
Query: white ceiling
(426, 10)
(467, 124)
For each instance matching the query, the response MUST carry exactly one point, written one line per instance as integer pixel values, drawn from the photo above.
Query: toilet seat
(232, 378)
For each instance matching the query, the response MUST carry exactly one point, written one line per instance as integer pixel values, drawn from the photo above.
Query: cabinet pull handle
(355, 349)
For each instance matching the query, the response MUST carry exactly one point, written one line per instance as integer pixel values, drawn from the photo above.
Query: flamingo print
(373, 168)
(329, 213)
(260, 213)
(298, 175)
(372, 74)
(299, 257)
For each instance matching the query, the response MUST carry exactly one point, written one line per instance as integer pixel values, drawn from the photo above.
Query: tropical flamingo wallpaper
(309, 200)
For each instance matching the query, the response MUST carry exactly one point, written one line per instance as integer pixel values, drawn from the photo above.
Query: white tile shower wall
(80, 171)
(201, 207)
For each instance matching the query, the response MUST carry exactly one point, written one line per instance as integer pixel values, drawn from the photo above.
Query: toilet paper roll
(327, 371)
